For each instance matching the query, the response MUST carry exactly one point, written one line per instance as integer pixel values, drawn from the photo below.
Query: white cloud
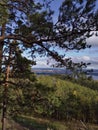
(86, 58)
(41, 63)
(81, 58)
(93, 40)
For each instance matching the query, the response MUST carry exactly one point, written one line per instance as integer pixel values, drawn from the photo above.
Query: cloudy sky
(87, 55)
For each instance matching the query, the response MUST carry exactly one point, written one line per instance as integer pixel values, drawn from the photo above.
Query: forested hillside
(51, 97)
(67, 100)
(54, 98)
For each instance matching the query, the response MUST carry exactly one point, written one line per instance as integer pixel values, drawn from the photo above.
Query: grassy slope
(46, 124)
(32, 123)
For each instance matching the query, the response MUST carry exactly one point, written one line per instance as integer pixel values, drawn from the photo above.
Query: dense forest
(54, 97)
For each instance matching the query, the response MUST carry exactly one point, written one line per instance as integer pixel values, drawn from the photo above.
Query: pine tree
(30, 24)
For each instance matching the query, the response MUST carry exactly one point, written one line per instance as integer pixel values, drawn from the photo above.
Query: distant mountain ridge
(49, 71)
(52, 71)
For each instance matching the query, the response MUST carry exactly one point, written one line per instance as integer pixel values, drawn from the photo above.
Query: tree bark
(5, 93)
(1, 49)
(5, 98)
(1, 45)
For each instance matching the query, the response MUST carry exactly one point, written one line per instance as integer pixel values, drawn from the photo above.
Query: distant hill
(52, 71)
(49, 71)
(94, 74)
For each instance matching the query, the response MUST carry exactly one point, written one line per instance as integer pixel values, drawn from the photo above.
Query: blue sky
(87, 55)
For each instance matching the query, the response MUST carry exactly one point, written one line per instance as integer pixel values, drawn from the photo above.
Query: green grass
(45, 124)
(40, 124)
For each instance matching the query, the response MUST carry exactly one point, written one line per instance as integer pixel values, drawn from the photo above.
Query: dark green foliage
(89, 83)
(20, 80)
(82, 79)
(3, 12)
